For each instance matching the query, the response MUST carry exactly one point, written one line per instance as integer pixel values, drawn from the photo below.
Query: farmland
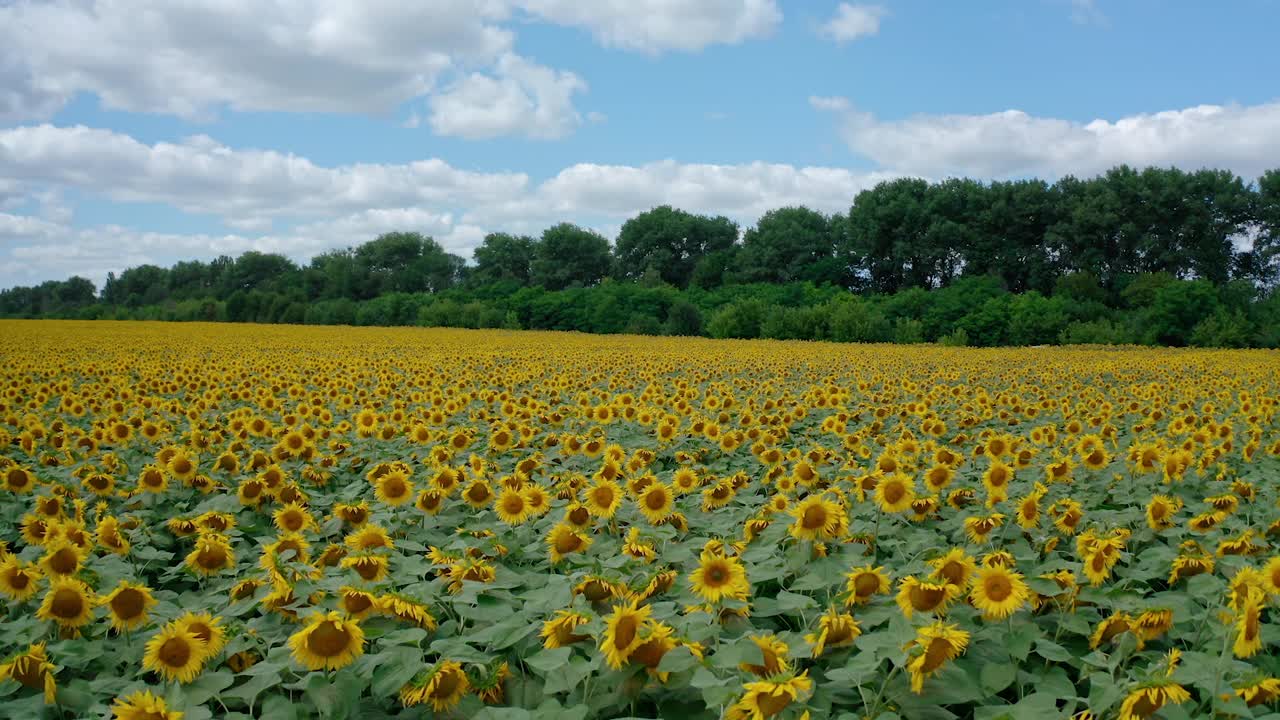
(279, 521)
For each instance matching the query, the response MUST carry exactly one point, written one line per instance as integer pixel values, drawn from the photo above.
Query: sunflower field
(225, 521)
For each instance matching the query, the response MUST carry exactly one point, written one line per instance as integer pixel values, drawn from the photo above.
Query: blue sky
(152, 131)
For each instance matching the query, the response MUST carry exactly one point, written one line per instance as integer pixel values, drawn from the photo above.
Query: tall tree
(504, 257)
(790, 244)
(671, 241)
(569, 256)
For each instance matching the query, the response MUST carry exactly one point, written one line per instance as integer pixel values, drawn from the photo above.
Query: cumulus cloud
(194, 58)
(191, 57)
(1245, 139)
(288, 204)
(853, 21)
(654, 26)
(521, 98)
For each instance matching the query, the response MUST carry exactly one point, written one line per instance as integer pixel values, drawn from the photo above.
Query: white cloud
(190, 57)
(654, 26)
(523, 98)
(1245, 139)
(202, 176)
(193, 58)
(283, 203)
(853, 21)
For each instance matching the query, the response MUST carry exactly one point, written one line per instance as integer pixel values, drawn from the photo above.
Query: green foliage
(1129, 256)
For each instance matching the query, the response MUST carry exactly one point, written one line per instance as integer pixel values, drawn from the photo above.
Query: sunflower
(637, 548)
(407, 609)
(328, 642)
(834, 630)
(622, 629)
(19, 480)
(1110, 628)
(18, 581)
(1259, 690)
(175, 653)
(895, 493)
(934, 646)
(442, 686)
(212, 555)
(938, 477)
(996, 480)
(369, 537)
(356, 603)
(656, 502)
(998, 592)
(1160, 511)
(915, 596)
(1069, 516)
(142, 705)
(718, 577)
(1151, 624)
(1028, 515)
(353, 514)
(602, 498)
(393, 488)
(559, 630)
(293, 518)
(978, 528)
(955, 568)
(563, 541)
(207, 629)
(109, 537)
(1147, 699)
(817, 518)
(773, 657)
(1248, 628)
(69, 603)
(370, 568)
(153, 479)
(61, 559)
(511, 507)
(32, 669)
(862, 584)
(127, 605)
(766, 698)
(1185, 566)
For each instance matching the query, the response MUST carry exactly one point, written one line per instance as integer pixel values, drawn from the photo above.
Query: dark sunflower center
(716, 574)
(625, 632)
(446, 685)
(998, 588)
(175, 652)
(656, 500)
(893, 492)
(866, 584)
(67, 603)
(328, 639)
(128, 604)
(815, 517)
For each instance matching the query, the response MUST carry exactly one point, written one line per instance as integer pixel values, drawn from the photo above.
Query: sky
(151, 131)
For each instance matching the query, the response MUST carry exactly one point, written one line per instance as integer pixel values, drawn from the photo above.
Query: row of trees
(1154, 308)
(1124, 229)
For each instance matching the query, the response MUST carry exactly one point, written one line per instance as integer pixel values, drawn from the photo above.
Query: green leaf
(1050, 650)
(399, 666)
(789, 602)
(278, 706)
(261, 676)
(997, 676)
(1020, 638)
(548, 661)
(677, 659)
(207, 686)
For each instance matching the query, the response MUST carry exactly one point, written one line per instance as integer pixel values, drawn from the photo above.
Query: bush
(1094, 332)
(799, 323)
(683, 318)
(1229, 329)
(852, 319)
(959, 338)
(740, 319)
(908, 332)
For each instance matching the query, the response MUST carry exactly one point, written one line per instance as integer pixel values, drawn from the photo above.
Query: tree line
(1159, 256)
